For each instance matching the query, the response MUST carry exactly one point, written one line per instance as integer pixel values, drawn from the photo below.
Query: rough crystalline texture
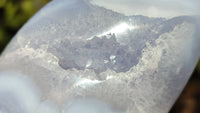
(76, 57)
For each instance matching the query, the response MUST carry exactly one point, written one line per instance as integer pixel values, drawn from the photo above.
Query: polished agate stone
(101, 56)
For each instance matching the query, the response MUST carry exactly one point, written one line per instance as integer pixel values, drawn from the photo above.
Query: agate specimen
(92, 56)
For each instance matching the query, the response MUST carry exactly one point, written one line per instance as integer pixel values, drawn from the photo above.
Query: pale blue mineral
(101, 56)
